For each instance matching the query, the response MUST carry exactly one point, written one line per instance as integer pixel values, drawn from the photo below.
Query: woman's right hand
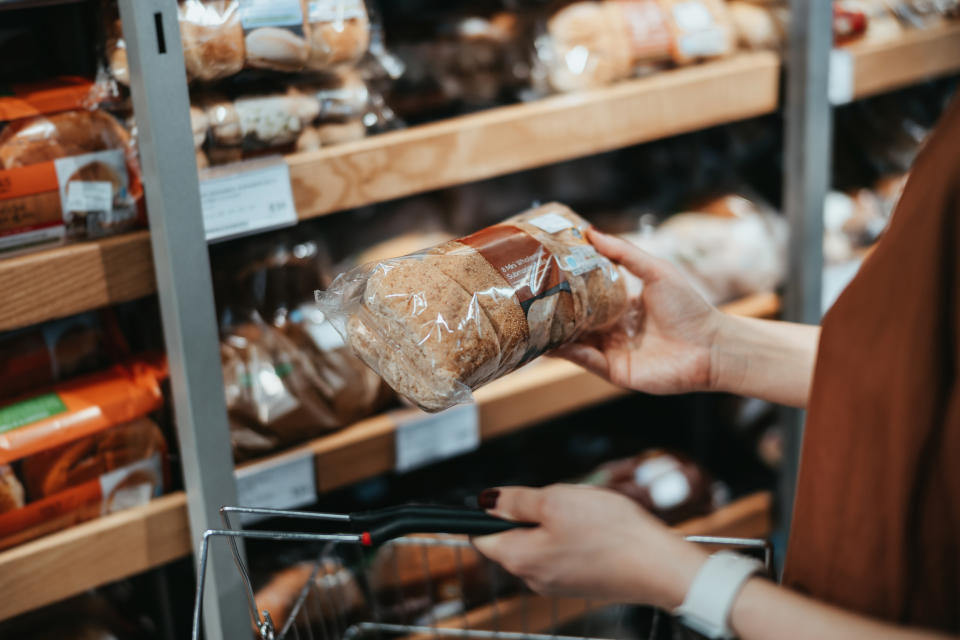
(672, 351)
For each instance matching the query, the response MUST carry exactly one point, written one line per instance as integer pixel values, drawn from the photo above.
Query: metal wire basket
(377, 581)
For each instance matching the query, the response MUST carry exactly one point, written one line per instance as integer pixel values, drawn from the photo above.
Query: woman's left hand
(591, 543)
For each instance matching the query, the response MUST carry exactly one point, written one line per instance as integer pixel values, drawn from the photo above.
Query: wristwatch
(706, 609)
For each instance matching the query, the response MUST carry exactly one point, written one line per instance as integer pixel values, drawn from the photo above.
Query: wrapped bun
(276, 48)
(212, 36)
(339, 33)
(439, 323)
(338, 132)
(69, 133)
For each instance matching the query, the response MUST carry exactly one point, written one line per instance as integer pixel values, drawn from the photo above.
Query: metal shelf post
(182, 265)
(807, 165)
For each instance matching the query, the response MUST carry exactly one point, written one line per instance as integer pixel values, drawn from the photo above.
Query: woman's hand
(685, 344)
(672, 351)
(591, 543)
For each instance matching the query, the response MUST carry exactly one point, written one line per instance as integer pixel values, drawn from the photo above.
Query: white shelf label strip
(246, 197)
(423, 438)
(288, 483)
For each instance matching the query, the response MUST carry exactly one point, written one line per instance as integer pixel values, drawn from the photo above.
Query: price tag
(424, 438)
(270, 13)
(841, 76)
(287, 483)
(246, 197)
(92, 195)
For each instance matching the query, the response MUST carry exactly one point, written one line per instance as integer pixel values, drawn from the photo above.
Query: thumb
(639, 262)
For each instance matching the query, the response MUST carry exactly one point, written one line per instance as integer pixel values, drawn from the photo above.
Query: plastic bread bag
(289, 384)
(212, 37)
(339, 33)
(72, 174)
(591, 44)
(728, 247)
(439, 323)
(257, 121)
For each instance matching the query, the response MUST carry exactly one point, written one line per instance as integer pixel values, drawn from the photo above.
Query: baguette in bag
(441, 322)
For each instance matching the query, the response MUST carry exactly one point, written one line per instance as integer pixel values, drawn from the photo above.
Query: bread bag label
(271, 13)
(47, 96)
(334, 10)
(22, 413)
(95, 193)
(699, 34)
(647, 29)
(524, 263)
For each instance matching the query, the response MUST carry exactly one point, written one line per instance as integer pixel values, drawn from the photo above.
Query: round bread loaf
(212, 37)
(69, 133)
(335, 40)
(276, 48)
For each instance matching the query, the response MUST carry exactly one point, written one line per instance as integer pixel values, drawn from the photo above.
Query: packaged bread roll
(438, 323)
(339, 33)
(212, 38)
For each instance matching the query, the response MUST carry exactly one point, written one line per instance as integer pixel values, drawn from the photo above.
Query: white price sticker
(246, 197)
(840, 78)
(289, 482)
(551, 222)
(85, 195)
(333, 10)
(271, 13)
(424, 438)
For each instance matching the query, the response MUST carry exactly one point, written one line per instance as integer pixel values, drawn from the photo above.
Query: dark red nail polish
(488, 498)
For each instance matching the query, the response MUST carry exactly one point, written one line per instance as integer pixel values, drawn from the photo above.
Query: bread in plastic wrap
(592, 44)
(212, 38)
(441, 322)
(339, 33)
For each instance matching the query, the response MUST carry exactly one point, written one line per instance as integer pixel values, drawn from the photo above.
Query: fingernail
(488, 498)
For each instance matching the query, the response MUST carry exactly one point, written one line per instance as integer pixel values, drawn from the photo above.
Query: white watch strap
(706, 609)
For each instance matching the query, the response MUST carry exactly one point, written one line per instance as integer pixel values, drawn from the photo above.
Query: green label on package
(37, 408)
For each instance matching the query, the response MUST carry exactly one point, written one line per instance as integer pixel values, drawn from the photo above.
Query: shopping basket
(410, 573)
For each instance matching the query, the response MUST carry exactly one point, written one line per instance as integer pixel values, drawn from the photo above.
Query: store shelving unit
(67, 280)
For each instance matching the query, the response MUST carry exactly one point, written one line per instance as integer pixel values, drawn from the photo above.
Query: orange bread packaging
(81, 449)
(68, 170)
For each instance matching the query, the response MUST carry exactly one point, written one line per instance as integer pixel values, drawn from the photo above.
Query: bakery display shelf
(749, 517)
(61, 281)
(543, 390)
(93, 553)
(915, 56)
(507, 139)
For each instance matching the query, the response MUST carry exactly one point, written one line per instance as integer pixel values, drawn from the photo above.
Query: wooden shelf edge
(93, 553)
(62, 281)
(513, 138)
(749, 517)
(917, 55)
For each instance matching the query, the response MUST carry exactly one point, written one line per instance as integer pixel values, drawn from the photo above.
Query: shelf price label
(246, 197)
(423, 438)
(840, 78)
(288, 482)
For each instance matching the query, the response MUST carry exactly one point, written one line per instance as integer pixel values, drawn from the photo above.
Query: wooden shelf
(59, 282)
(94, 553)
(512, 138)
(749, 517)
(917, 55)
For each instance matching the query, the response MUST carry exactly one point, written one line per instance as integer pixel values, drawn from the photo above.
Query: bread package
(72, 174)
(590, 44)
(668, 484)
(80, 449)
(339, 33)
(438, 323)
(212, 38)
(334, 595)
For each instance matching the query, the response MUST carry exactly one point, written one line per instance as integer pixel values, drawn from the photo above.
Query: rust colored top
(876, 525)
